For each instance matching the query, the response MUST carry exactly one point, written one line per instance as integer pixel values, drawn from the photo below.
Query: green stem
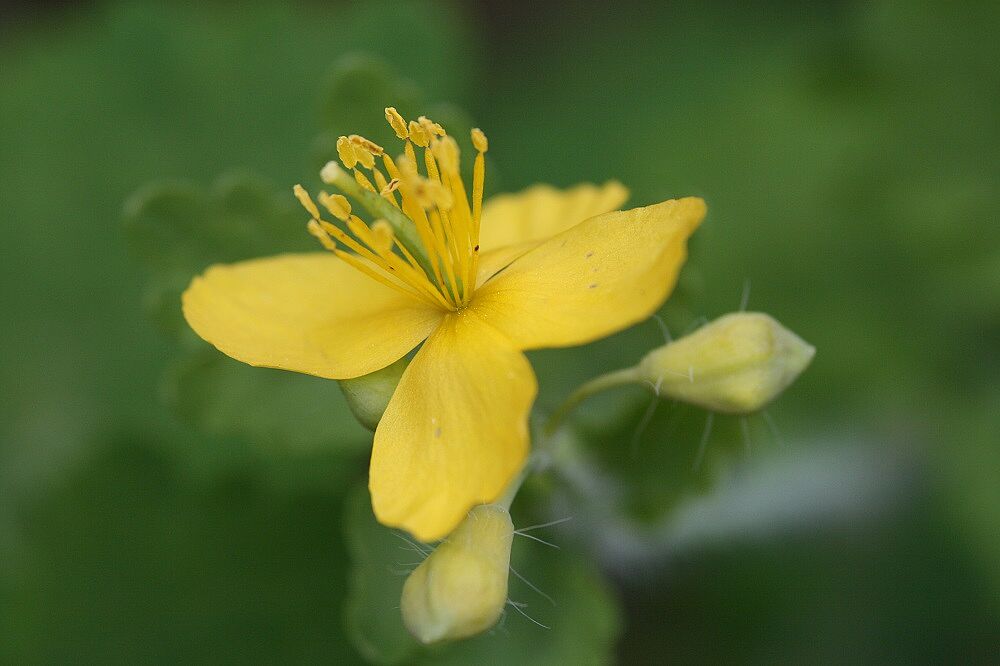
(514, 486)
(593, 387)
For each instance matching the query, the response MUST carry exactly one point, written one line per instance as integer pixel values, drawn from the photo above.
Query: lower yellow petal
(512, 224)
(596, 278)
(456, 430)
(310, 313)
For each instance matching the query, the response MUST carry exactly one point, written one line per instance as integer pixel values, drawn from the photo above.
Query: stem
(593, 387)
(379, 207)
(514, 486)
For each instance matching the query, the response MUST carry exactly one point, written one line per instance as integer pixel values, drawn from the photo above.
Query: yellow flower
(476, 284)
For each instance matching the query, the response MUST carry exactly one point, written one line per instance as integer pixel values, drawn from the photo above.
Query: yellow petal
(594, 279)
(456, 430)
(512, 224)
(309, 313)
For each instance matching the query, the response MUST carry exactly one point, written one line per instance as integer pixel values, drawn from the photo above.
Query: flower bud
(368, 395)
(736, 364)
(461, 588)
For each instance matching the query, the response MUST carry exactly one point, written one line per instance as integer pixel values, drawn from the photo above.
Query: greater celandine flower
(476, 284)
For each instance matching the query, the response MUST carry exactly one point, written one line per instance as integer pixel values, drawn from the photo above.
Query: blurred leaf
(277, 409)
(663, 452)
(359, 88)
(581, 622)
(380, 560)
(178, 229)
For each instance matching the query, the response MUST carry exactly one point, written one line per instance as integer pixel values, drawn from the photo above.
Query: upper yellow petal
(594, 279)
(512, 224)
(456, 430)
(309, 313)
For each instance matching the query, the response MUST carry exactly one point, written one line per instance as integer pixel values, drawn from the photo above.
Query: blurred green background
(159, 503)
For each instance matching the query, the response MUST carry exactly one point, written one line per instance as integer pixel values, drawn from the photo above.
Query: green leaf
(177, 229)
(580, 627)
(275, 409)
(666, 452)
(359, 88)
(380, 558)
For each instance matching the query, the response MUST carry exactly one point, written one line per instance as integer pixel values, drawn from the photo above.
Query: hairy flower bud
(736, 364)
(368, 395)
(461, 588)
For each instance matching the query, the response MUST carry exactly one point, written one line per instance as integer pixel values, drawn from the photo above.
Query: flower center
(424, 240)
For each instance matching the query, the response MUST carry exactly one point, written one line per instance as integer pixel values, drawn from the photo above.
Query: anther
(305, 200)
(479, 140)
(382, 236)
(364, 157)
(432, 128)
(446, 152)
(367, 145)
(348, 155)
(396, 122)
(418, 134)
(317, 231)
(440, 195)
(391, 186)
(337, 204)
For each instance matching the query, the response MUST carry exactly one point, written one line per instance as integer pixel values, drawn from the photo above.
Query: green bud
(369, 395)
(736, 364)
(460, 590)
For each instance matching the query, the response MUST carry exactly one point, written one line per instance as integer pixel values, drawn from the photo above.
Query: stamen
(337, 204)
(345, 149)
(365, 158)
(437, 257)
(382, 236)
(432, 128)
(396, 122)
(383, 187)
(305, 200)
(365, 144)
(479, 140)
(363, 181)
(330, 172)
(418, 134)
(481, 145)
(390, 187)
(316, 230)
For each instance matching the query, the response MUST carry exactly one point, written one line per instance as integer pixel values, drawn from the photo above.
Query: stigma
(423, 237)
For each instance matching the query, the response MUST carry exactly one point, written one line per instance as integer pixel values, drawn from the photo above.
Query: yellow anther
(440, 195)
(418, 134)
(479, 140)
(382, 236)
(316, 230)
(330, 172)
(446, 152)
(305, 200)
(431, 127)
(391, 186)
(337, 204)
(348, 155)
(367, 145)
(396, 122)
(365, 158)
